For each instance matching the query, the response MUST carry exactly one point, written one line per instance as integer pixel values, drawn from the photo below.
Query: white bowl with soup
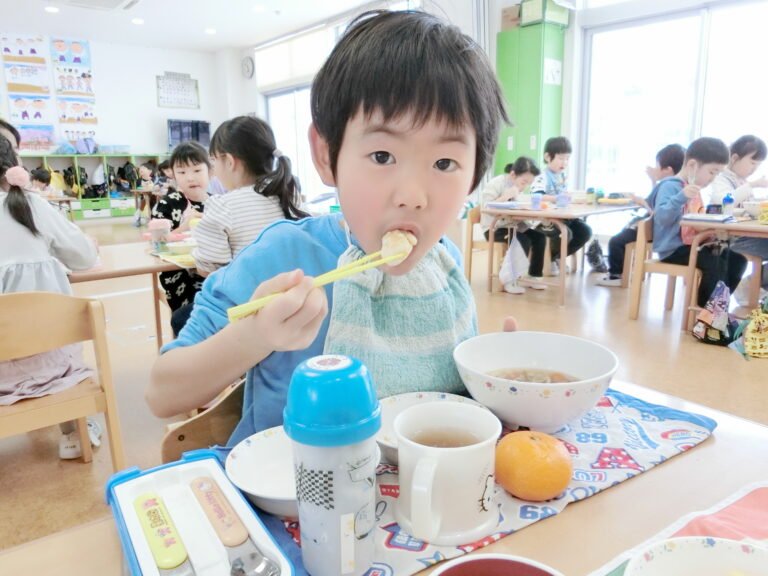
(539, 380)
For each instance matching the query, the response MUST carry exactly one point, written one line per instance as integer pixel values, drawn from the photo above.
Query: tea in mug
(445, 438)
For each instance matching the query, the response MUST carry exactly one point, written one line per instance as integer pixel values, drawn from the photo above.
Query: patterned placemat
(621, 437)
(741, 516)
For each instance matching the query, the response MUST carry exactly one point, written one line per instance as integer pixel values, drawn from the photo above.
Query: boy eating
(406, 113)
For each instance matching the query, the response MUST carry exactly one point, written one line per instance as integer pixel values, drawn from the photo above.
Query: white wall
(126, 93)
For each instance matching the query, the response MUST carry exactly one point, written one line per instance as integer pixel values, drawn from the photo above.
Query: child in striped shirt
(261, 187)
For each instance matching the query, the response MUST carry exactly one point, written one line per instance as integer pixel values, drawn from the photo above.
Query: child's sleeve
(65, 240)
(491, 191)
(539, 184)
(212, 235)
(670, 200)
(718, 189)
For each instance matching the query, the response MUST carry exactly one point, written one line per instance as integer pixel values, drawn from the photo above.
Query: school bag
(713, 324)
(131, 174)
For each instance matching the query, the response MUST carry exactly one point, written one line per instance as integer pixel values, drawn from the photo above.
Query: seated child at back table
(704, 159)
(747, 154)
(552, 183)
(404, 151)
(669, 161)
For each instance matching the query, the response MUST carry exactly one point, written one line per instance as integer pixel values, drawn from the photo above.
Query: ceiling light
(210, 30)
(137, 21)
(259, 8)
(52, 9)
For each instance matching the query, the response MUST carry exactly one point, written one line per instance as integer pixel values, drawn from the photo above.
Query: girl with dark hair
(182, 205)
(516, 179)
(37, 247)
(262, 190)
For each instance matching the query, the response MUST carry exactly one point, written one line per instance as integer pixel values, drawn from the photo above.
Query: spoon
(245, 557)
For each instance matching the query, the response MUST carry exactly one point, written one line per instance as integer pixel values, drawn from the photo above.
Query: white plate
(262, 467)
(699, 555)
(393, 405)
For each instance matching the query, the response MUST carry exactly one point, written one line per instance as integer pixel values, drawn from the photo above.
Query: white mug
(446, 454)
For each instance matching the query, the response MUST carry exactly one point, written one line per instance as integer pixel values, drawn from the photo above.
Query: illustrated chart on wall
(75, 97)
(27, 74)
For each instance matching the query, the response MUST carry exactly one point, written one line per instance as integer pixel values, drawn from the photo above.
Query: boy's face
(557, 163)
(192, 180)
(745, 166)
(702, 174)
(394, 176)
(144, 173)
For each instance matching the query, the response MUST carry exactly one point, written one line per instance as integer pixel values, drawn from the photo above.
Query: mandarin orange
(532, 465)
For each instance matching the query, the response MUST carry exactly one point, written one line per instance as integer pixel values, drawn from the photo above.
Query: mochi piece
(397, 242)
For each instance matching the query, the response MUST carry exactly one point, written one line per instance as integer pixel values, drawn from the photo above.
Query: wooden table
(582, 538)
(61, 200)
(132, 259)
(557, 216)
(723, 231)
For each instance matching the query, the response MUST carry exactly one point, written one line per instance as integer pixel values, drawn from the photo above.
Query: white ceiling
(172, 23)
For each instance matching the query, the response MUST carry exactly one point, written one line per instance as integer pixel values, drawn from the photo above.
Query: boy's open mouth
(398, 241)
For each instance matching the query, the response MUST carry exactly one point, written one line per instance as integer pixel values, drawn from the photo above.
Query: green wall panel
(533, 106)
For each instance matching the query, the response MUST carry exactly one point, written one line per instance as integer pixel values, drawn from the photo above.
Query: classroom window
(736, 84)
(642, 96)
(289, 115)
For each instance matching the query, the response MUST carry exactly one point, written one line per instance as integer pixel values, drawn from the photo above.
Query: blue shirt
(312, 244)
(667, 213)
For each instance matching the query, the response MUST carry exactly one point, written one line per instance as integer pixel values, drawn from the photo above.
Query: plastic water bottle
(332, 415)
(728, 204)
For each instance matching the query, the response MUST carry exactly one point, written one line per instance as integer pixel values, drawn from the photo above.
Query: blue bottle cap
(331, 402)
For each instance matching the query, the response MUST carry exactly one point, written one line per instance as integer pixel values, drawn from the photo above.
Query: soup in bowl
(539, 380)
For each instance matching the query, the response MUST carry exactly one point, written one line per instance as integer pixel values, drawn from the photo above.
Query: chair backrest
(644, 233)
(473, 216)
(209, 428)
(34, 322)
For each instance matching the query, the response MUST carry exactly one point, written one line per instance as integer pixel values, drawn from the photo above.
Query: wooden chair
(35, 322)
(629, 261)
(214, 426)
(470, 244)
(650, 265)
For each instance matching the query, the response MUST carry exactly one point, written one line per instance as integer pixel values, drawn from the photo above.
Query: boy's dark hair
(16, 201)
(671, 156)
(408, 62)
(557, 145)
(748, 145)
(252, 141)
(12, 129)
(189, 153)
(164, 165)
(41, 175)
(523, 165)
(707, 151)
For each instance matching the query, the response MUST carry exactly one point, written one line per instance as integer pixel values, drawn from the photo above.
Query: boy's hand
(292, 321)
(760, 183)
(691, 191)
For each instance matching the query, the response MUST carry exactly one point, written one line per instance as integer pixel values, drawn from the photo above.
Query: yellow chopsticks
(364, 263)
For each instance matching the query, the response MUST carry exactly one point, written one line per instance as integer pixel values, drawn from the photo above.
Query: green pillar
(529, 62)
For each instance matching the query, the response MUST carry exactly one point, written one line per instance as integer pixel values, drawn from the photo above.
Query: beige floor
(42, 494)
